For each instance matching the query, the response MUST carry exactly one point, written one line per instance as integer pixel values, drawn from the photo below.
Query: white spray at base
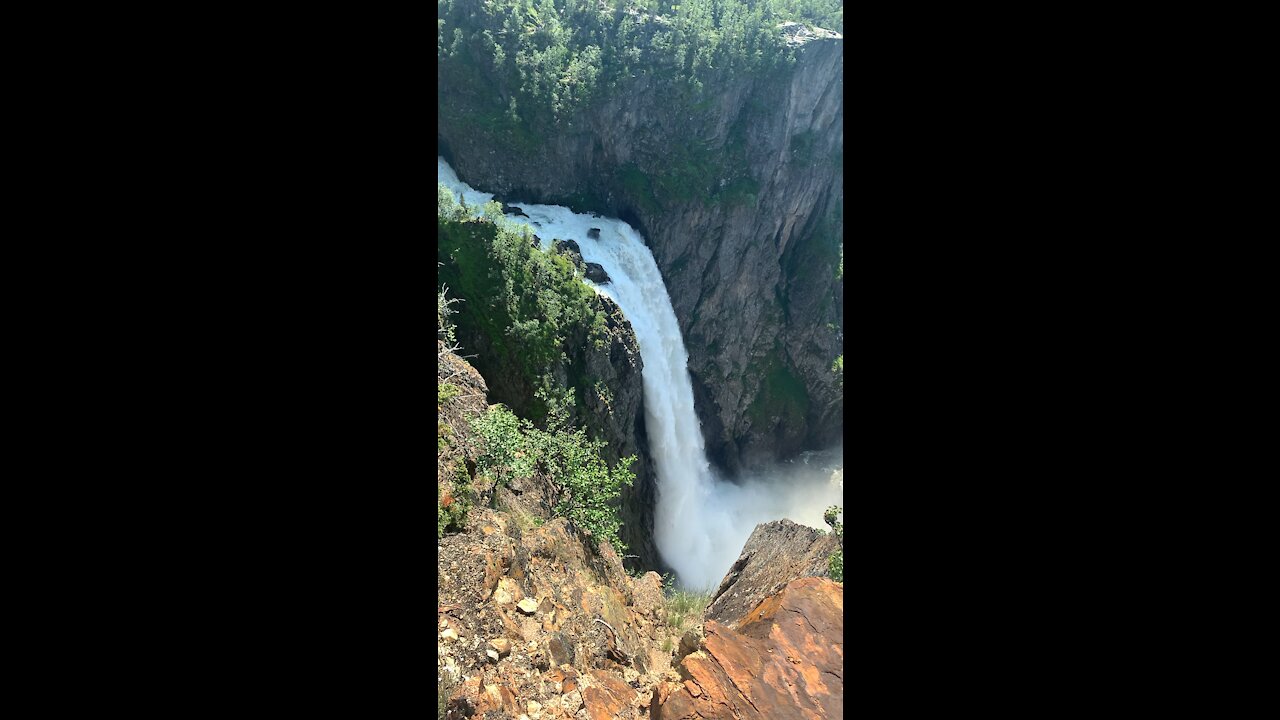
(700, 522)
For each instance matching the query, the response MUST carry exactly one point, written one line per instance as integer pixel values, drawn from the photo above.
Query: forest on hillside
(550, 57)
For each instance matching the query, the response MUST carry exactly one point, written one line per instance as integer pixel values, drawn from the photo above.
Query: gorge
(700, 521)
(736, 184)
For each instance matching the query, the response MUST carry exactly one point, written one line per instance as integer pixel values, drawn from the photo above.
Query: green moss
(636, 185)
(802, 147)
(782, 395)
(446, 391)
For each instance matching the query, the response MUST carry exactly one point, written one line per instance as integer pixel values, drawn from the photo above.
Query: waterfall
(700, 522)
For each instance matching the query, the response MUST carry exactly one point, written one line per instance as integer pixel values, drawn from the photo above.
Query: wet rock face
(785, 660)
(775, 554)
(570, 249)
(596, 273)
(752, 280)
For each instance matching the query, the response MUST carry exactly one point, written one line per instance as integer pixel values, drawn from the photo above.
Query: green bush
(587, 489)
(445, 392)
(506, 453)
(452, 507)
(525, 308)
(835, 566)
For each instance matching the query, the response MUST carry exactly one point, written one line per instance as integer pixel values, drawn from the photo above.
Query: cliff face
(532, 621)
(748, 255)
(604, 371)
(615, 412)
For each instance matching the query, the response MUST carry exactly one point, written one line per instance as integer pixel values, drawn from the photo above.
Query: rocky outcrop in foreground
(784, 660)
(775, 554)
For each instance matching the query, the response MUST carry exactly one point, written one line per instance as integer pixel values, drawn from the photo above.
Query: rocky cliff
(604, 373)
(738, 191)
(775, 554)
(784, 660)
(531, 622)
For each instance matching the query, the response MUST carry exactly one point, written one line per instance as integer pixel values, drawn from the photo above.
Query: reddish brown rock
(608, 697)
(785, 660)
(498, 696)
(775, 554)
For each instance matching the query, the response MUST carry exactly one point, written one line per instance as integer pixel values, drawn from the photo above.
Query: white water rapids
(700, 522)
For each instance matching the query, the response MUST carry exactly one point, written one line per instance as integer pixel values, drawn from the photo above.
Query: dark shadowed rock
(775, 554)
(786, 660)
(596, 273)
(594, 233)
(560, 649)
(513, 210)
(570, 250)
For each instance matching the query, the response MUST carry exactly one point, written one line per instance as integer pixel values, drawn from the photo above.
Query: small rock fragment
(449, 634)
(502, 645)
(493, 654)
(528, 606)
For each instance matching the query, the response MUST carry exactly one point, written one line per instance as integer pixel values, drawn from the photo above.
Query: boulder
(609, 696)
(596, 273)
(570, 250)
(560, 649)
(594, 233)
(513, 210)
(775, 554)
(785, 659)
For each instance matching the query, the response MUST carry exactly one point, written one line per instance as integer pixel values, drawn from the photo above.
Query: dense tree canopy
(551, 56)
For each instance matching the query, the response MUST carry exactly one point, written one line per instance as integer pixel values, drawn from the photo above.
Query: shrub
(445, 392)
(835, 566)
(505, 452)
(587, 489)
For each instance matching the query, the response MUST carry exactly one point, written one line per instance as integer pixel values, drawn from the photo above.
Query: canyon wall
(749, 259)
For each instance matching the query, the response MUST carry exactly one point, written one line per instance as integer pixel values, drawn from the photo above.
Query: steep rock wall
(749, 263)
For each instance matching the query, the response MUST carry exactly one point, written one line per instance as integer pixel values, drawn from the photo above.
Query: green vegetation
(527, 309)
(835, 565)
(548, 58)
(682, 606)
(782, 395)
(802, 147)
(521, 71)
(837, 367)
(445, 329)
(588, 490)
(453, 505)
(445, 392)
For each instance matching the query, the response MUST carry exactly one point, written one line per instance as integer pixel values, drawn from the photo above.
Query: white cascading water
(700, 523)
